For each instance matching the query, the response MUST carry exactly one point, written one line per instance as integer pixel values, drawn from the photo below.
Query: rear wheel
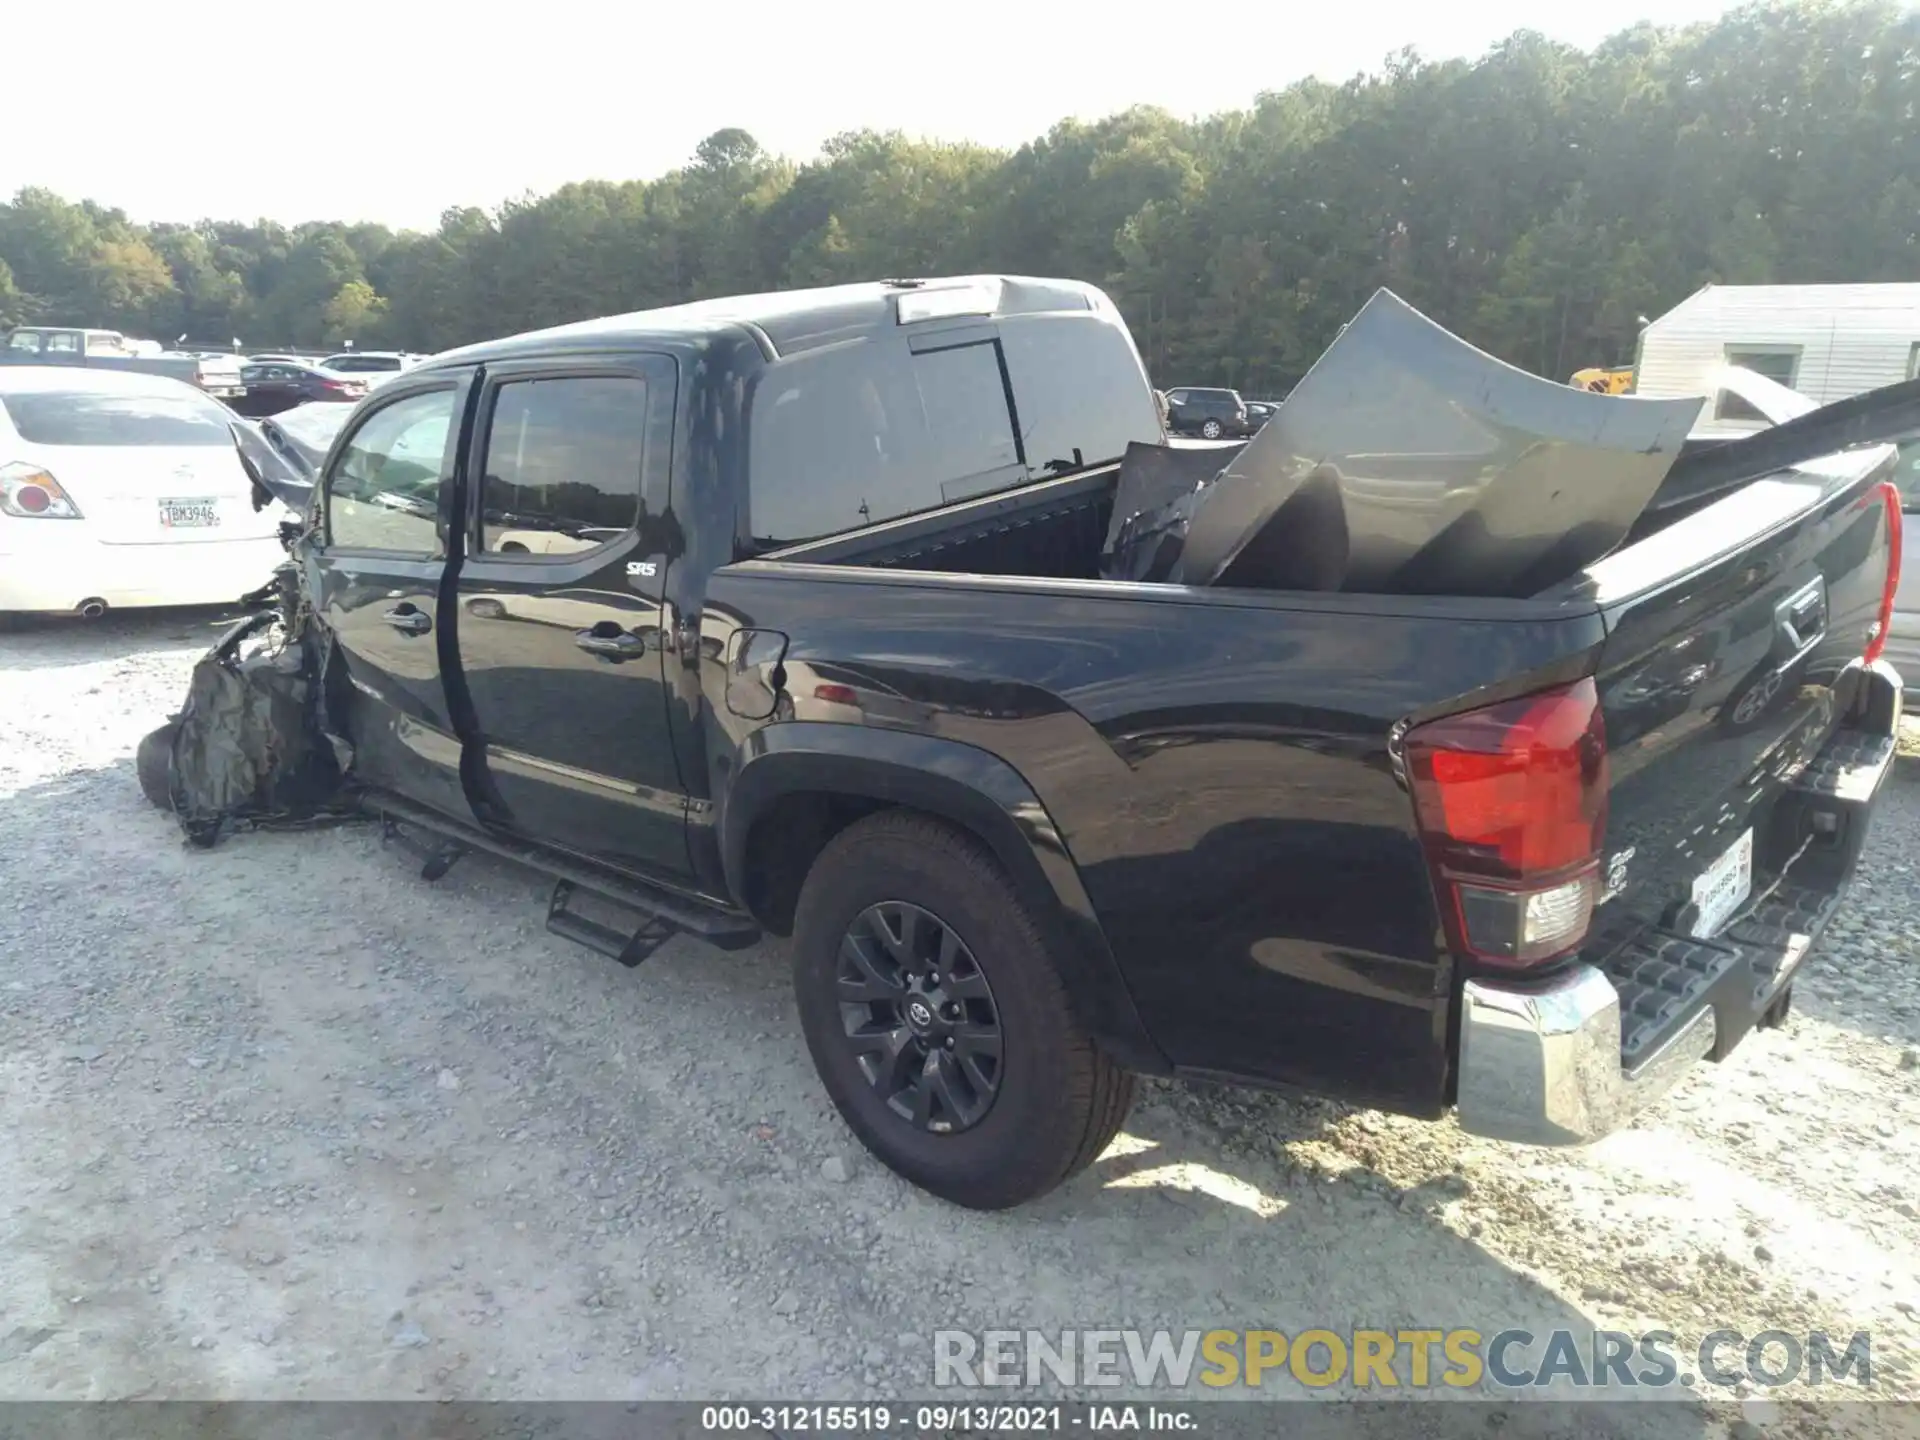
(1210, 430)
(153, 762)
(938, 1020)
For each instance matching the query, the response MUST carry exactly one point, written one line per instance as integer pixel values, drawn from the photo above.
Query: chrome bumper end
(1540, 1064)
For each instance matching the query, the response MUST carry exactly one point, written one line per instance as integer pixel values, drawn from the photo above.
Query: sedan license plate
(1722, 888)
(189, 514)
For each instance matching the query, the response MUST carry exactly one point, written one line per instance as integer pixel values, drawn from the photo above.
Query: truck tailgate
(1730, 691)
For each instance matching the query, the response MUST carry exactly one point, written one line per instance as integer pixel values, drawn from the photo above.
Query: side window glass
(969, 435)
(1079, 390)
(563, 462)
(848, 437)
(383, 491)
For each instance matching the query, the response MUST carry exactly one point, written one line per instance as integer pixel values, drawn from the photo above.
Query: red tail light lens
(1512, 805)
(1877, 640)
(30, 493)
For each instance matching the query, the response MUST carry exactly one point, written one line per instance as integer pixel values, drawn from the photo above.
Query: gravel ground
(282, 1121)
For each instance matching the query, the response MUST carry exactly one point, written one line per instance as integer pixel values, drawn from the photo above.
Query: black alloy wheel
(908, 934)
(919, 1017)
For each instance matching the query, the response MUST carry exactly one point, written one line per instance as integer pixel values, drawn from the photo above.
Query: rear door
(388, 492)
(559, 608)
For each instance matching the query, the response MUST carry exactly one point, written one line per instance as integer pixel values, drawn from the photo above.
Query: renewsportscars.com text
(1398, 1359)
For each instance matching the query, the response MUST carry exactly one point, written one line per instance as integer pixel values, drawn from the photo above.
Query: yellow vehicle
(1606, 381)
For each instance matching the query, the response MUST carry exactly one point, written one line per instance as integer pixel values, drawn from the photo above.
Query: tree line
(1537, 200)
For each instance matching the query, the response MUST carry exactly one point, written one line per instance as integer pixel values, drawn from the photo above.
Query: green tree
(354, 312)
(1537, 199)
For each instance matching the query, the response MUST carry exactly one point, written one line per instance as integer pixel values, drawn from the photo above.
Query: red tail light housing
(1877, 638)
(1511, 802)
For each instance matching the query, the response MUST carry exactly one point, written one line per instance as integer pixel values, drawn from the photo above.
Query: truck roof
(788, 321)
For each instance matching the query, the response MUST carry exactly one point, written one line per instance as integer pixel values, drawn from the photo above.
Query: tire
(1058, 1101)
(153, 763)
(1210, 430)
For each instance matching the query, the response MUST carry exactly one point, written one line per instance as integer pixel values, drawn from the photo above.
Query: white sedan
(120, 490)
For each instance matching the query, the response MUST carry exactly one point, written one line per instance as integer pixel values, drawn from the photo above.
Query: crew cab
(817, 643)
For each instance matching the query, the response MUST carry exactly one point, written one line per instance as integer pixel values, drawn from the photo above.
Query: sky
(394, 110)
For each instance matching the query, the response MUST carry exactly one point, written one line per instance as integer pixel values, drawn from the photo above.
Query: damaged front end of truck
(253, 745)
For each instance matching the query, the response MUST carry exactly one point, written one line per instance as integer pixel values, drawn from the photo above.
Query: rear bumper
(1569, 1059)
(56, 574)
(1543, 1066)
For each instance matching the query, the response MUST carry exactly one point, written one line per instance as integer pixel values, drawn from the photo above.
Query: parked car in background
(1259, 412)
(217, 375)
(373, 366)
(119, 488)
(1210, 414)
(285, 384)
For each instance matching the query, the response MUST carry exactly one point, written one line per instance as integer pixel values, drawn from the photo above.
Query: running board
(665, 912)
(629, 949)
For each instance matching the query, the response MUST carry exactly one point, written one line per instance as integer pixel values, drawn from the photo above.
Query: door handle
(409, 622)
(623, 646)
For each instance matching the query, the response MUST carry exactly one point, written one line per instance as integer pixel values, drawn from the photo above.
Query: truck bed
(1220, 763)
(1051, 530)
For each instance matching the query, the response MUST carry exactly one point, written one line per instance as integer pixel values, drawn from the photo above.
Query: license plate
(189, 514)
(1723, 887)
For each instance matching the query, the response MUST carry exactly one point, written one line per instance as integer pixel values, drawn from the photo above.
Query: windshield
(78, 417)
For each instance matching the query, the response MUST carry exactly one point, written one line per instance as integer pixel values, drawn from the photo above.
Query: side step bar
(629, 949)
(664, 912)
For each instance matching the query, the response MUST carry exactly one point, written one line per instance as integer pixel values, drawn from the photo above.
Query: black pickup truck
(786, 614)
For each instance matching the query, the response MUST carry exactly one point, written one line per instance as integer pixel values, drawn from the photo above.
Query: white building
(1828, 342)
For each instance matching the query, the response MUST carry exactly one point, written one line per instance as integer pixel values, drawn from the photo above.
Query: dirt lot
(281, 1120)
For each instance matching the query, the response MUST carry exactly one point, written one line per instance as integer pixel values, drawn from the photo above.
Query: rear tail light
(29, 493)
(1883, 623)
(1512, 806)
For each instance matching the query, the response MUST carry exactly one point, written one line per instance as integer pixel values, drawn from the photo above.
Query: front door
(377, 573)
(559, 613)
